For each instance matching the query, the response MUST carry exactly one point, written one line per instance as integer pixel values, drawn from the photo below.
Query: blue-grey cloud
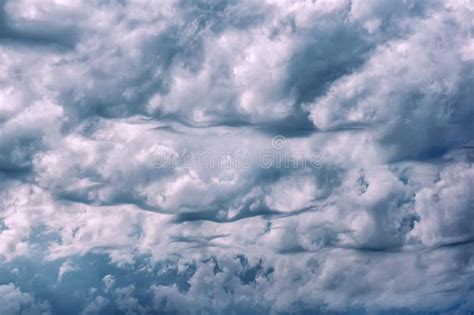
(239, 157)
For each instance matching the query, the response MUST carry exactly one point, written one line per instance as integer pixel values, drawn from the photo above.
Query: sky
(236, 157)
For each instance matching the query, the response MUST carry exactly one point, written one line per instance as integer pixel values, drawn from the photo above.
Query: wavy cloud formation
(236, 157)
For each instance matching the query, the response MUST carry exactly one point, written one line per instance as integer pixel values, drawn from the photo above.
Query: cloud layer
(141, 146)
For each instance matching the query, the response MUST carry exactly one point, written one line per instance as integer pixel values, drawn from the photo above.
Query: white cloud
(13, 301)
(94, 95)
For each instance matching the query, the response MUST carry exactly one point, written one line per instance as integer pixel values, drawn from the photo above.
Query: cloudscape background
(112, 111)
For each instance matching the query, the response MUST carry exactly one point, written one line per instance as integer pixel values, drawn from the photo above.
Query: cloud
(236, 157)
(16, 302)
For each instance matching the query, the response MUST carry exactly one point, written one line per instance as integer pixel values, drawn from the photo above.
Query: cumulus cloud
(236, 157)
(14, 301)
